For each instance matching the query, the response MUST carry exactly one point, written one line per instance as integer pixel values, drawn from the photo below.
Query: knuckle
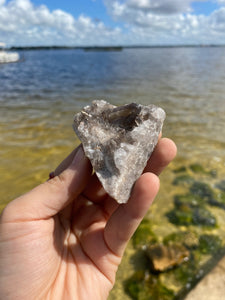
(58, 183)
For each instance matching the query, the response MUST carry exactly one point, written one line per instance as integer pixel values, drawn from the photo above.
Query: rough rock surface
(163, 257)
(118, 141)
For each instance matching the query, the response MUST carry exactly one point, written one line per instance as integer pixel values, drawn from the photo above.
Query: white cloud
(221, 2)
(217, 20)
(22, 23)
(159, 7)
(144, 22)
(167, 22)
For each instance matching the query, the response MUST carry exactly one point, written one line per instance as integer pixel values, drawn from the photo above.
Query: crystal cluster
(118, 141)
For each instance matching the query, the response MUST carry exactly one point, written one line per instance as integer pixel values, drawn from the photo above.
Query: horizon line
(112, 47)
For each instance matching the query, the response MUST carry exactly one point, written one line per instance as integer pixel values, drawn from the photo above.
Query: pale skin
(65, 239)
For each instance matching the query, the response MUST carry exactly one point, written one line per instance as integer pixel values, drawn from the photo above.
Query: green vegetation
(189, 239)
(202, 190)
(183, 180)
(218, 200)
(180, 169)
(191, 213)
(196, 168)
(189, 210)
(143, 286)
(188, 200)
(178, 217)
(209, 244)
(144, 235)
(199, 216)
(221, 185)
(186, 274)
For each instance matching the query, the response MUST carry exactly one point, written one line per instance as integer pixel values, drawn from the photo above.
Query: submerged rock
(118, 141)
(164, 257)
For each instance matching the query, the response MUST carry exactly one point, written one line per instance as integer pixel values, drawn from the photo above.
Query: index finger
(126, 218)
(164, 152)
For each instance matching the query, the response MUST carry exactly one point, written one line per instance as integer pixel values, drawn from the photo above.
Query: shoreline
(108, 48)
(211, 286)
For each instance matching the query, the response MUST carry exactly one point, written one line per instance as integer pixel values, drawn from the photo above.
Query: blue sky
(205, 8)
(94, 9)
(112, 22)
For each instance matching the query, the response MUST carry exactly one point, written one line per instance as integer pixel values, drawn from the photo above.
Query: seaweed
(188, 200)
(191, 210)
(180, 169)
(221, 185)
(134, 284)
(198, 216)
(144, 286)
(209, 244)
(201, 216)
(186, 274)
(144, 235)
(202, 190)
(184, 179)
(187, 238)
(197, 168)
(179, 217)
(218, 201)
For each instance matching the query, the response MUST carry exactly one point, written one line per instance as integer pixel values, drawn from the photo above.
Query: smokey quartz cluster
(118, 141)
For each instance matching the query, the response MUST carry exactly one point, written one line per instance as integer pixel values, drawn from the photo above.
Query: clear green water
(39, 97)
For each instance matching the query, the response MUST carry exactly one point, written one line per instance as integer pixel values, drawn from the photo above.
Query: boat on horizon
(7, 57)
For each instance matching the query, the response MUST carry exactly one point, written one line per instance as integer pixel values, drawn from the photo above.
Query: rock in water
(118, 141)
(163, 257)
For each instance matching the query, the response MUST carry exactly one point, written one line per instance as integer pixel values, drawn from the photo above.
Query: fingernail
(79, 157)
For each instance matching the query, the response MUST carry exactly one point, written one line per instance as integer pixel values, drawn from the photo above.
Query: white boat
(7, 57)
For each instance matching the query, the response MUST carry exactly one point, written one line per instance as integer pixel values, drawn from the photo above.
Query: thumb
(49, 198)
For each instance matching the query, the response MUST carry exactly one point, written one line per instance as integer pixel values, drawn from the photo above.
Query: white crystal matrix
(118, 141)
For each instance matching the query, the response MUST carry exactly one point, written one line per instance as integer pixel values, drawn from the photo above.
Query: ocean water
(39, 96)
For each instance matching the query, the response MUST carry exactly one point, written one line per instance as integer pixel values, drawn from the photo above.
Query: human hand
(66, 237)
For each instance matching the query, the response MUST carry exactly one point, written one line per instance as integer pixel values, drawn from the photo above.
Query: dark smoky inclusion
(118, 141)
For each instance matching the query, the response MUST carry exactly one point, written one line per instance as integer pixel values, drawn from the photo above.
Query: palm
(68, 258)
(87, 266)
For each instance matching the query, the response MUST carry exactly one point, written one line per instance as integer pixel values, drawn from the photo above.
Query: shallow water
(38, 98)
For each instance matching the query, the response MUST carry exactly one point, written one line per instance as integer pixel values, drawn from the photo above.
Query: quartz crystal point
(118, 141)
